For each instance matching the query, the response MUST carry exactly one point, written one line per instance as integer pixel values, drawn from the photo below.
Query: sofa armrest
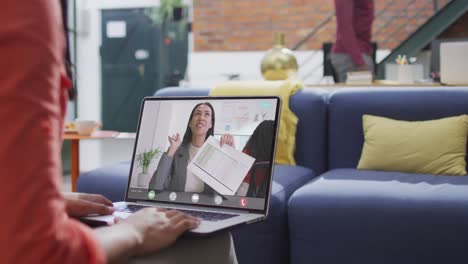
(110, 181)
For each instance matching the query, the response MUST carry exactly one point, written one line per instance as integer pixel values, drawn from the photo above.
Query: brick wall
(248, 25)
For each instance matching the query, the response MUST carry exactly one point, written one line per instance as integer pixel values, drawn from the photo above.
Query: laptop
(236, 182)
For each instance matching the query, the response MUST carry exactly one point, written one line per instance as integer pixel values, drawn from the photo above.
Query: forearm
(37, 229)
(119, 242)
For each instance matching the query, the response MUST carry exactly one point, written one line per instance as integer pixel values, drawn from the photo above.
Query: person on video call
(171, 173)
(258, 146)
(41, 225)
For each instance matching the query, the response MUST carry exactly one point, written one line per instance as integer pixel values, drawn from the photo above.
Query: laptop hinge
(197, 207)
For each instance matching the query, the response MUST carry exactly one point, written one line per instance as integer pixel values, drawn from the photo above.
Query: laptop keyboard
(209, 216)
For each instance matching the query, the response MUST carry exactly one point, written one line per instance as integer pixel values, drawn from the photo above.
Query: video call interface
(215, 152)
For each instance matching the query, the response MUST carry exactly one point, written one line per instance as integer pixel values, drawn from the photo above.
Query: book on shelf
(359, 77)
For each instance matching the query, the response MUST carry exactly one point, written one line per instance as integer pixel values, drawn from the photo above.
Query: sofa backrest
(346, 107)
(310, 106)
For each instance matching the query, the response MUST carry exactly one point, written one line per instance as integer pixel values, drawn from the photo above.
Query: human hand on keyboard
(157, 228)
(83, 204)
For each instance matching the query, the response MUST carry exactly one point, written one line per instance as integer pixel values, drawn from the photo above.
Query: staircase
(426, 33)
(400, 31)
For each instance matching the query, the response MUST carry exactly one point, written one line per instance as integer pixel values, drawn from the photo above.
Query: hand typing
(156, 229)
(83, 204)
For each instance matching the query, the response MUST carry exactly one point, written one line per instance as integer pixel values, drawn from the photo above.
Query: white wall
(207, 69)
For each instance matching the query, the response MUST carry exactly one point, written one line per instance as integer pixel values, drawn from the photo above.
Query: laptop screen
(210, 151)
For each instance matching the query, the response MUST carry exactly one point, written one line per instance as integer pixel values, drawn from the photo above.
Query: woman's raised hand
(228, 140)
(174, 142)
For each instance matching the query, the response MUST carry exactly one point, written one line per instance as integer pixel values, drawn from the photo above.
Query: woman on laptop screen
(171, 173)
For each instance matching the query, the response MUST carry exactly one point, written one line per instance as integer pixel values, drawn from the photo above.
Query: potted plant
(144, 160)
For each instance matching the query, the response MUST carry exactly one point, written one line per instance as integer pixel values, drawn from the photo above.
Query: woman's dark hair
(188, 133)
(261, 141)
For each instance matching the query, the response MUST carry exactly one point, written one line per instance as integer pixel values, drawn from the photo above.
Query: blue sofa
(347, 215)
(324, 210)
(267, 241)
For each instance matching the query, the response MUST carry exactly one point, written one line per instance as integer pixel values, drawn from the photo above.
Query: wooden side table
(75, 148)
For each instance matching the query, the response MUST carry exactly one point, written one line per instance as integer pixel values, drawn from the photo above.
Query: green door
(128, 64)
(138, 57)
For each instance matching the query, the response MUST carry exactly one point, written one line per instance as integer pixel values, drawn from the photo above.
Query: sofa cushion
(110, 181)
(310, 106)
(396, 217)
(432, 147)
(347, 106)
(178, 91)
(268, 241)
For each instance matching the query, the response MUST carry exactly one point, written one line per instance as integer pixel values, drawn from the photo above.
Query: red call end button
(243, 202)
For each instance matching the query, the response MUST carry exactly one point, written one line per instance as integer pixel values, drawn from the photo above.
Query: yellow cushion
(427, 147)
(288, 122)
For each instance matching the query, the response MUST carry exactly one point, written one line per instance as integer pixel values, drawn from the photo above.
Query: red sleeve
(35, 227)
(345, 33)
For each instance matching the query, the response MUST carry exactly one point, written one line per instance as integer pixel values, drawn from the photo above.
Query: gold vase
(279, 63)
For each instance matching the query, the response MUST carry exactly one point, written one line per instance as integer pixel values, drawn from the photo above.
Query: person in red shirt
(352, 49)
(38, 224)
